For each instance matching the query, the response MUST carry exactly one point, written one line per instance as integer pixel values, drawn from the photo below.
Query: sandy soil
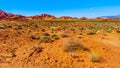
(17, 51)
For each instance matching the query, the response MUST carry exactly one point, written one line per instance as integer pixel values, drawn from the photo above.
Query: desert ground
(60, 44)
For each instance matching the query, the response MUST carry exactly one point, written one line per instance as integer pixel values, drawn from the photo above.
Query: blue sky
(74, 8)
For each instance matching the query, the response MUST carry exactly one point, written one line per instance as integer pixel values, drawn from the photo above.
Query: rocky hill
(5, 16)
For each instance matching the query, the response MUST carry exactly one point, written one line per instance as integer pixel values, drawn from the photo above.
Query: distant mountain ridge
(115, 16)
(13, 17)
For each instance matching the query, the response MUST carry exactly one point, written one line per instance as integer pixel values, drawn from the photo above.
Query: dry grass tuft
(71, 44)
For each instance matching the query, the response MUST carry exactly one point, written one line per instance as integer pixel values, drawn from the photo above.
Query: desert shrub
(82, 29)
(34, 25)
(80, 33)
(71, 44)
(10, 50)
(94, 56)
(118, 30)
(72, 28)
(90, 32)
(54, 36)
(9, 25)
(32, 37)
(54, 28)
(18, 28)
(108, 30)
(45, 34)
(45, 39)
(64, 34)
(2, 26)
(43, 30)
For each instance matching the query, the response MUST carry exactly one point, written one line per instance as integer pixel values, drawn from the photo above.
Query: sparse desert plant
(64, 34)
(108, 30)
(72, 28)
(32, 37)
(54, 28)
(94, 56)
(71, 44)
(10, 50)
(82, 29)
(90, 32)
(45, 39)
(45, 34)
(80, 33)
(43, 30)
(118, 30)
(2, 26)
(54, 36)
(9, 25)
(34, 25)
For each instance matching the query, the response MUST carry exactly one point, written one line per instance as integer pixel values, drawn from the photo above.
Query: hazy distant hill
(116, 16)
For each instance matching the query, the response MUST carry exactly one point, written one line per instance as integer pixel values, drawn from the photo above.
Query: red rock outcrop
(47, 17)
(10, 16)
(41, 17)
(2, 14)
(65, 18)
(83, 18)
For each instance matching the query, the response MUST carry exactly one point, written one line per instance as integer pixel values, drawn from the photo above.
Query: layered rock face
(3, 14)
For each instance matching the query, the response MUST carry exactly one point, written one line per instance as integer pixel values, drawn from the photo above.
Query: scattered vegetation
(45, 39)
(47, 32)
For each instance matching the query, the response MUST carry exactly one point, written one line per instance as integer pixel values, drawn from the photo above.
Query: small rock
(8, 59)
(74, 55)
(98, 32)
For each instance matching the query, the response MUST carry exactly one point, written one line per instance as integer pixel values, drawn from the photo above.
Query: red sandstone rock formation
(65, 18)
